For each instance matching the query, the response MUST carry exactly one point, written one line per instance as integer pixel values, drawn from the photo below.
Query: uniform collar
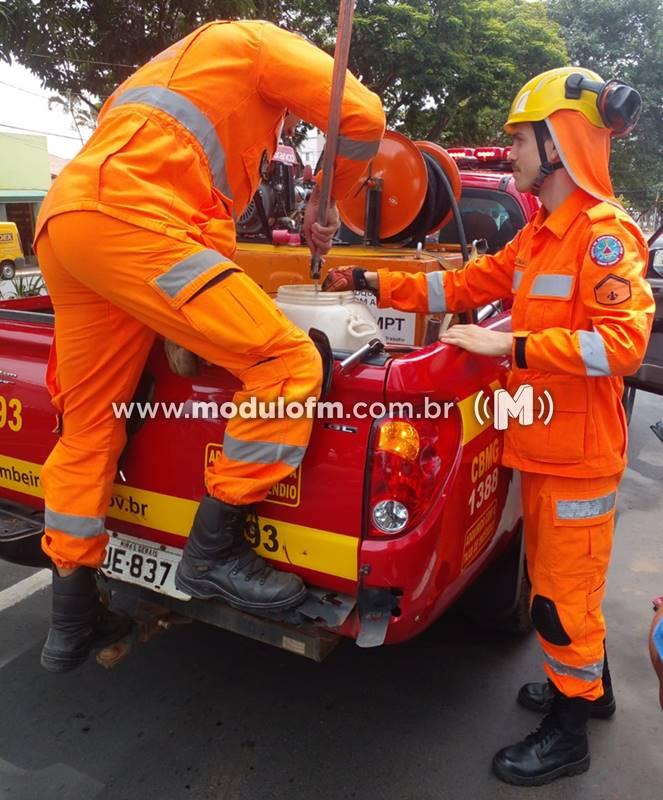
(561, 218)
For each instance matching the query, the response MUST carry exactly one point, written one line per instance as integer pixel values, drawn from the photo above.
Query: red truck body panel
(317, 522)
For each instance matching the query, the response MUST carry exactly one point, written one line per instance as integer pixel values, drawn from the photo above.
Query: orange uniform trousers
(109, 284)
(569, 524)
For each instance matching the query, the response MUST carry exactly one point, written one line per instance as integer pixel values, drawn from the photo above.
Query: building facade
(25, 177)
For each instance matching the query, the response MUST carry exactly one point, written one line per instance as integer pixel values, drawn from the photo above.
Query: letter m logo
(520, 407)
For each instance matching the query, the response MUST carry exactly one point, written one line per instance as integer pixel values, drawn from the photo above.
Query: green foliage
(4, 33)
(624, 39)
(445, 70)
(88, 47)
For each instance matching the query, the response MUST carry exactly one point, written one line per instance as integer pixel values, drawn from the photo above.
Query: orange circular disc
(450, 169)
(402, 169)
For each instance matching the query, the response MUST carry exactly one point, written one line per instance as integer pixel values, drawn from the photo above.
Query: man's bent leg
(224, 317)
(257, 452)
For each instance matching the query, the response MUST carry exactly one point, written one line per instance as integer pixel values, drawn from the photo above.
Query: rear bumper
(432, 583)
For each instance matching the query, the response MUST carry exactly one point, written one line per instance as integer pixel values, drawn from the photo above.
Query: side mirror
(655, 268)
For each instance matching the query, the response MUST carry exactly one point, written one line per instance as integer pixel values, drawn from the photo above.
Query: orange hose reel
(406, 192)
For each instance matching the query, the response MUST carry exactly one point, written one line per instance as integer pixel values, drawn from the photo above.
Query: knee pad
(547, 622)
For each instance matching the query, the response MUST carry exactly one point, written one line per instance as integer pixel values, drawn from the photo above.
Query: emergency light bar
(492, 157)
(480, 153)
(489, 153)
(460, 152)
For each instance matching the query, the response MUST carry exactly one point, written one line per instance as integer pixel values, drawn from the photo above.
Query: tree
(624, 40)
(445, 69)
(87, 48)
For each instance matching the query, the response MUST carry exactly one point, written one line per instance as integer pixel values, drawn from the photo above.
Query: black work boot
(558, 747)
(219, 562)
(79, 622)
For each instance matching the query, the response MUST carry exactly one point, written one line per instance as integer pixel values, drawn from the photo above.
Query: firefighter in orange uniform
(581, 319)
(136, 238)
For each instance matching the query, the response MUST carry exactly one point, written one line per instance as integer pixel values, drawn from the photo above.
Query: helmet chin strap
(547, 167)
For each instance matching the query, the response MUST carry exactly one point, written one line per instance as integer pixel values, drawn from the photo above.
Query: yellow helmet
(546, 93)
(611, 104)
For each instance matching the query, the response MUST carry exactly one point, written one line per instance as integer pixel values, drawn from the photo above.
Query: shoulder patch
(601, 211)
(606, 250)
(612, 290)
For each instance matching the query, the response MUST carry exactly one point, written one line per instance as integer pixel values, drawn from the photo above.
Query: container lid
(306, 295)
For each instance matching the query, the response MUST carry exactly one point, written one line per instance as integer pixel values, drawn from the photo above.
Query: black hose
(466, 316)
(464, 249)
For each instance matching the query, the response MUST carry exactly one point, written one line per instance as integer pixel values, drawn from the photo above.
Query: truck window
(487, 214)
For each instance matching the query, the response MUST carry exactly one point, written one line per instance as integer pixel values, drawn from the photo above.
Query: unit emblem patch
(606, 251)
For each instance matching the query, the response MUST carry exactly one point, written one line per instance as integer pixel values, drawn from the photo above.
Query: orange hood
(585, 152)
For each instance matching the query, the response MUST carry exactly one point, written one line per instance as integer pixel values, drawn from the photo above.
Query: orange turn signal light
(401, 439)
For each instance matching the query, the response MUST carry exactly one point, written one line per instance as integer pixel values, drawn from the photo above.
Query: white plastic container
(347, 323)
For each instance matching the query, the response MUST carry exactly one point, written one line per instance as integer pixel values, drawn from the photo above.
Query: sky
(24, 104)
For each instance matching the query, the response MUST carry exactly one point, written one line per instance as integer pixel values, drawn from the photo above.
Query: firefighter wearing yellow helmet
(562, 123)
(580, 113)
(581, 317)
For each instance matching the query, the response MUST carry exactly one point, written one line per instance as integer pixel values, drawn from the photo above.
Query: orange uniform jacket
(581, 316)
(180, 143)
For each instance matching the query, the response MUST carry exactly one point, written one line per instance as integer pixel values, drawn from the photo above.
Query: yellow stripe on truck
(475, 424)
(310, 548)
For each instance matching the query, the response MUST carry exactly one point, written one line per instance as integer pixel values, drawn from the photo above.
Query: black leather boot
(79, 622)
(558, 747)
(219, 562)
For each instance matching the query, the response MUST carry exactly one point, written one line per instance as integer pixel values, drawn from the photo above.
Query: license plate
(143, 563)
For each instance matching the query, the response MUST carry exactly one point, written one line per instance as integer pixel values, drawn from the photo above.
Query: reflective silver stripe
(187, 270)
(191, 117)
(356, 150)
(262, 452)
(592, 349)
(552, 286)
(437, 302)
(73, 524)
(586, 509)
(517, 280)
(589, 673)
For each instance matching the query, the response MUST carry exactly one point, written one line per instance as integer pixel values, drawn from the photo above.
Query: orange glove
(346, 279)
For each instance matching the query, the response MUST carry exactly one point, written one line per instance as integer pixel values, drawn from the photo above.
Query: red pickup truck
(462, 538)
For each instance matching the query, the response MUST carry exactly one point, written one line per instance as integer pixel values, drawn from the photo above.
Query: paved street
(202, 714)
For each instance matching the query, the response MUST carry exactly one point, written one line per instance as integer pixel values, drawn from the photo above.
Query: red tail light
(410, 461)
